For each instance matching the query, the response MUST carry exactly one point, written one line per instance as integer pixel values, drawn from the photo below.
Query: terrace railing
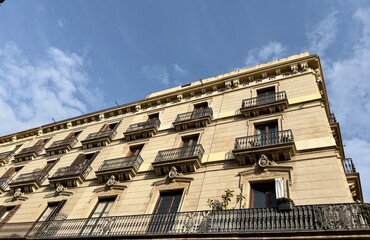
(197, 113)
(72, 171)
(37, 176)
(99, 135)
(63, 143)
(179, 153)
(309, 218)
(144, 125)
(349, 166)
(260, 100)
(259, 140)
(124, 162)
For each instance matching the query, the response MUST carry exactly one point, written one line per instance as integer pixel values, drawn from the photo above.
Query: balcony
(4, 183)
(28, 182)
(29, 153)
(142, 130)
(70, 176)
(330, 221)
(353, 179)
(4, 157)
(122, 168)
(186, 159)
(197, 118)
(98, 139)
(61, 146)
(277, 146)
(266, 104)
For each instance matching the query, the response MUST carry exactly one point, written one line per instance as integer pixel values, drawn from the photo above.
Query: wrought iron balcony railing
(72, 171)
(28, 153)
(349, 166)
(332, 118)
(155, 123)
(197, 113)
(99, 135)
(124, 162)
(63, 143)
(265, 99)
(4, 183)
(309, 220)
(37, 176)
(179, 153)
(261, 140)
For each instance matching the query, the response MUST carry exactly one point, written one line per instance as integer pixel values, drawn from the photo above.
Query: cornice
(285, 67)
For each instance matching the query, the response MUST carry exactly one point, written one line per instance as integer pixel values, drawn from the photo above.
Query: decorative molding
(111, 184)
(17, 196)
(60, 190)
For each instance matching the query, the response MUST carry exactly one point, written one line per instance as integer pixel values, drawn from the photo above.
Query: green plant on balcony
(226, 198)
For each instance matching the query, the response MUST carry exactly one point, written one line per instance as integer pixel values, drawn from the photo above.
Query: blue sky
(59, 59)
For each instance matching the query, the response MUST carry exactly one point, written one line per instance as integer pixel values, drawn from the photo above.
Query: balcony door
(265, 95)
(199, 110)
(267, 134)
(188, 145)
(263, 195)
(164, 217)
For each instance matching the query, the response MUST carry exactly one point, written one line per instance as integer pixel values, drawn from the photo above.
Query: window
(84, 159)
(153, 117)
(263, 195)
(50, 165)
(267, 133)
(52, 211)
(73, 134)
(202, 105)
(7, 212)
(103, 207)
(135, 150)
(265, 95)
(168, 202)
(188, 141)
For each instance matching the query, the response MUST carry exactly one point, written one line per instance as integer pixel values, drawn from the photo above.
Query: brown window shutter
(10, 215)
(71, 135)
(50, 165)
(105, 127)
(2, 210)
(40, 142)
(79, 159)
(9, 173)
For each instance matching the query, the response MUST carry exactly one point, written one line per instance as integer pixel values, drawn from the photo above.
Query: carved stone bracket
(60, 190)
(294, 68)
(111, 184)
(19, 195)
(173, 173)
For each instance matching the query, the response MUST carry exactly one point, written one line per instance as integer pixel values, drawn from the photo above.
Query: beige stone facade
(232, 122)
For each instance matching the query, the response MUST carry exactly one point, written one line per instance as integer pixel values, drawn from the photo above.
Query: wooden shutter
(105, 127)
(39, 142)
(71, 135)
(50, 165)
(9, 173)
(79, 159)
(10, 215)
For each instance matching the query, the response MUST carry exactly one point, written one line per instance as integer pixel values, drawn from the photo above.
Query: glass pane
(47, 212)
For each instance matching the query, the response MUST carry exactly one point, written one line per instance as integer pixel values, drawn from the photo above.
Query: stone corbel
(138, 108)
(18, 196)
(180, 97)
(60, 191)
(294, 68)
(264, 75)
(111, 184)
(69, 125)
(236, 82)
(304, 66)
(278, 72)
(228, 85)
(250, 78)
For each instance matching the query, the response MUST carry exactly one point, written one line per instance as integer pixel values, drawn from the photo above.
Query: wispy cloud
(32, 91)
(165, 75)
(60, 23)
(323, 34)
(349, 91)
(272, 50)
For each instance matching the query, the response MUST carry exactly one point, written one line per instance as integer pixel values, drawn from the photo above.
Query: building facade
(247, 154)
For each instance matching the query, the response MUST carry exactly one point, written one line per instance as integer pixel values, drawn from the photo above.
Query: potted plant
(284, 204)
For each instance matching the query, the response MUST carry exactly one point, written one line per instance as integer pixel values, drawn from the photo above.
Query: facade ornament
(60, 188)
(101, 117)
(173, 172)
(168, 100)
(159, 102)
(304, 66)
(111, 181)
(264, 75)
(317, 73)
(236, 82)
(250, 78)
(14, 138)
(228, 85)
(180, 97)
(294, 68)
(203, 91)
(264, 161)
(137, 107)
(39, 132)
(214, 88)
(18, 193)
(278, 72)
(192, 93)
(69, 125)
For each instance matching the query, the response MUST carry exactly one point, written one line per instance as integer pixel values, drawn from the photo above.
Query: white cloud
(349, 90)
(60, 23)
(272, 50)
(167, 76)
(33, 91)
(323, 34)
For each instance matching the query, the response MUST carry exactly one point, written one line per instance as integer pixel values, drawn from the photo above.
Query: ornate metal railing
(178, 153)
(6, 155)
(30, 150)
(72, 171)
(102, 134)
(349, 166)
(144, 125)
(197, 113)
(301, 219)
(4, 183)
(270, 98)
(131, 161)
(62, 143)
(332, 118)
(259, 140)
(37, 176)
